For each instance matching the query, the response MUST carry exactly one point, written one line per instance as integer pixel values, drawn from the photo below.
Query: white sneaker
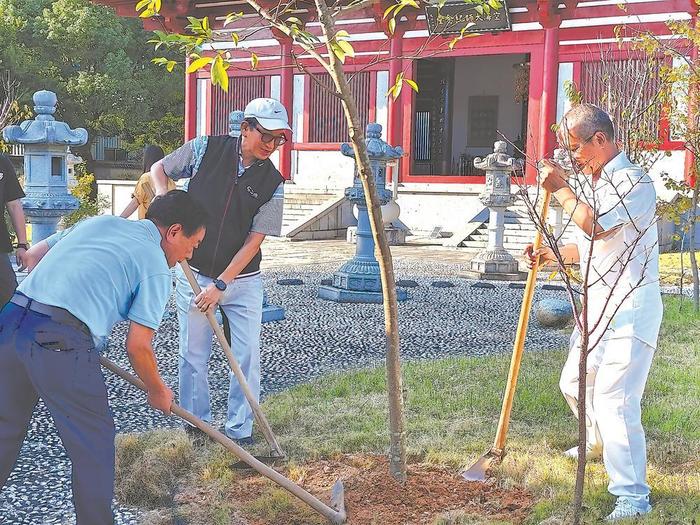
(626, 508)
(592, 452)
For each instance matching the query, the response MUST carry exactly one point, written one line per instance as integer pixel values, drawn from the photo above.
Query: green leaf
(346, 47)
(254, 60)
(495, 4)
(232, 17)
(170, 65)
(199, 64)
(389, 10)
(338, 51)
(218, 73)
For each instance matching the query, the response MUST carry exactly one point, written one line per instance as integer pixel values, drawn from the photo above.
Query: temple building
(506, 83)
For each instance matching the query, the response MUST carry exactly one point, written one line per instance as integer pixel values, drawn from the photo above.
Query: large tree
(98, 64)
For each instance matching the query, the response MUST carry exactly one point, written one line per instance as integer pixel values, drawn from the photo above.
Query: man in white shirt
(617, 248)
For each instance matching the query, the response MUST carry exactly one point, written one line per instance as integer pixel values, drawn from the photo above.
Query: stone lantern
(495, 262)
(46, 148)
(270, 312)
(358, 280)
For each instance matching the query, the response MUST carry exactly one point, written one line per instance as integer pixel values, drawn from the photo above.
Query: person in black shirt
(11, 194)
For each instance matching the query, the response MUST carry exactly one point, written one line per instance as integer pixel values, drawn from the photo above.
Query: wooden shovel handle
(519, 345)
(333, 515)
(235, 368)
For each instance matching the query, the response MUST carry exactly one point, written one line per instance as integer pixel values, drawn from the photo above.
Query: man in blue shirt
(103, 270)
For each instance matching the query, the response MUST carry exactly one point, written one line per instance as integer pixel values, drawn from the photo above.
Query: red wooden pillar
(548, 101)
(287, 100)
(190, 104)
(393, 133)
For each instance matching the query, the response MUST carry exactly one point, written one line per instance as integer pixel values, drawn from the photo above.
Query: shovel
(477, 472)
(254, 405)
(335, 513)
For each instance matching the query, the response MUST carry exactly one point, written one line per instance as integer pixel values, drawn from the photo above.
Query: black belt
(57, 314)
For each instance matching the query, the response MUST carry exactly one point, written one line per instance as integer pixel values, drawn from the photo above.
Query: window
(241, 91)
(57, 166)
(483, 121)
(627, 90)
(115, 154)
(326, 118)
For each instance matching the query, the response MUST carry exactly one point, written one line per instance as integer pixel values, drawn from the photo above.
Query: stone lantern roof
(45, 129)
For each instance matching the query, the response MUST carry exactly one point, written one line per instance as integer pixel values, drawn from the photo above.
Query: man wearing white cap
(244, 195)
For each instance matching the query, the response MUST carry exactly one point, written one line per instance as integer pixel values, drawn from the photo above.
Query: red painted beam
(637, 9)
(608, 31)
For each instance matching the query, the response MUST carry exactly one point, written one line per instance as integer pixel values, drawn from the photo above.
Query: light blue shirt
(104, 270)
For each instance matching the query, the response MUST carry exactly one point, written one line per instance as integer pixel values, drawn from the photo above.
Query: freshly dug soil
(372, 496)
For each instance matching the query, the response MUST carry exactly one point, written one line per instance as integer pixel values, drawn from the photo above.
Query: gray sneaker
(628, 508)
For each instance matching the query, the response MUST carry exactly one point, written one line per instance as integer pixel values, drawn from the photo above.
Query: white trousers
(242, 304)
(617, 374)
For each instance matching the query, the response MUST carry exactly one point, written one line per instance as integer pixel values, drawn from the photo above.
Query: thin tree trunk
(581, 414)
(397, 453)
(693, 259)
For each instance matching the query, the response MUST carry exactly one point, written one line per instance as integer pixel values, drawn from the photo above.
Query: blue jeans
(242, 304)
(71, 384)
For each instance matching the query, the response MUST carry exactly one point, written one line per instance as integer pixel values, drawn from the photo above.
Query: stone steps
(302, 206)
(519, 231)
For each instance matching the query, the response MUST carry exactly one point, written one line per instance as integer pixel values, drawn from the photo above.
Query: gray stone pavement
(316, 338)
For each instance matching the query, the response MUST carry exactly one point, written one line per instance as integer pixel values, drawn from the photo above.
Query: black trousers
(8, 279)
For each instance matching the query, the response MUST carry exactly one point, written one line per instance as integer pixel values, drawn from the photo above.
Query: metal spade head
(338, 501)
(477, 472)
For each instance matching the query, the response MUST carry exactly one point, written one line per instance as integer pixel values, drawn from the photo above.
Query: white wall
(478, 76)
(328, 170)
(119, 194)
(427, 206)
(674, 165)
(566, 73)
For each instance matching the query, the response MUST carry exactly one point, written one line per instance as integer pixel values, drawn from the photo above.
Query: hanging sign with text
(453, 17)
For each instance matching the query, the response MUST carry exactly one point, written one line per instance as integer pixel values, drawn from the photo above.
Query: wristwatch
(22, 245)
(220, 285)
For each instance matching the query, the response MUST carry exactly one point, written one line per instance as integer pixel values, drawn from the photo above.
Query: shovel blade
(477, 472)
(338, 501)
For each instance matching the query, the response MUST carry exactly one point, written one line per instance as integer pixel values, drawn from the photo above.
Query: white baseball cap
(269, 112)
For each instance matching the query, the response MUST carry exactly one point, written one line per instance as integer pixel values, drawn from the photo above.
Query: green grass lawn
(452, 409)
(670, 269)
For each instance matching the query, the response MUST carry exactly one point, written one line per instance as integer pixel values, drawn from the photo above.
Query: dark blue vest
(231, 201)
